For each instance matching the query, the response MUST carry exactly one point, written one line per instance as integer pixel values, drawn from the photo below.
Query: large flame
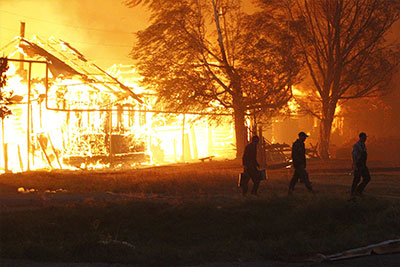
(70, 137)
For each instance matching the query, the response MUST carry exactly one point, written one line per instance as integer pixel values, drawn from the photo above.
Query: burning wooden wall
(72, 113)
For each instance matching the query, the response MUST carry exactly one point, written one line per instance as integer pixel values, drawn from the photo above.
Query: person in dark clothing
(251, 165)
(299, 164)
(359, 155)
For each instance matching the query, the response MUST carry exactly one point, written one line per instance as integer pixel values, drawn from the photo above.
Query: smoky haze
(101, 30)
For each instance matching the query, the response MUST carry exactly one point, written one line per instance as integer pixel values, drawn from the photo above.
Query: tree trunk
(324, 136)
(240, 130)
(325, 129)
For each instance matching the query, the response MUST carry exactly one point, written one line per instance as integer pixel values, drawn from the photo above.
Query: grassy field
(191, 214)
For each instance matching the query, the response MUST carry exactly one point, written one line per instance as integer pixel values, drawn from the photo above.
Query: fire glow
(89, 119)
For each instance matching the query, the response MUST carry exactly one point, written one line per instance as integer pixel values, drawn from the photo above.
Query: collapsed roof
(67, 62)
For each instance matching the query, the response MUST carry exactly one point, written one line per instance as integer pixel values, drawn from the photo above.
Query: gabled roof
(66, 61)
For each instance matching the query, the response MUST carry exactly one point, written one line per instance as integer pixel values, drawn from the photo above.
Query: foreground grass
(193, 232)
(190, 214)
(172, 180)
(188, 180)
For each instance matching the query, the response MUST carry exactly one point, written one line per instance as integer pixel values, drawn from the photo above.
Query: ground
(187, 183)
(391, 260)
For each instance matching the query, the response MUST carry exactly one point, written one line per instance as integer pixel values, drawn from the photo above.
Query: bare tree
(344, 49)
(209, 55)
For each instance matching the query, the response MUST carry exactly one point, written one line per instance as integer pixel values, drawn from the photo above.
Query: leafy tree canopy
(200, 54)
(210, 55)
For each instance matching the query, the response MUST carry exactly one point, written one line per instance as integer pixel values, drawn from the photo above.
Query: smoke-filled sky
(101, 29)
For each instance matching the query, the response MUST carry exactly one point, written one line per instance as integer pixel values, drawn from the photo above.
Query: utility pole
(21, 70)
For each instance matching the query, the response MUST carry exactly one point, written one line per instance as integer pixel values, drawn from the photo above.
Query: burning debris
(69, 106)
(72, 114)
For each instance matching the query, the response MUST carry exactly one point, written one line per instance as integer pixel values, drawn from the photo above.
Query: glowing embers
(78, 124)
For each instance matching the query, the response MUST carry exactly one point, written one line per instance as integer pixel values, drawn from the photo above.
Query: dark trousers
(357, 187)
(251, 173)
(302, 174)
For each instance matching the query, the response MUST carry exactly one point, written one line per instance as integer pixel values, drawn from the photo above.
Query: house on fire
(70, 111)
(67, 112)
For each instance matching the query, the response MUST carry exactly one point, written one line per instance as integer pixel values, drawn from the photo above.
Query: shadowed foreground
(187, 215)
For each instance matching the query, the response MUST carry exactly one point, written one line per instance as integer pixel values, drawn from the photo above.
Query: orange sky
(101, 29)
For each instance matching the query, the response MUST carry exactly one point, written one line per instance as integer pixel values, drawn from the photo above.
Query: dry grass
(166, 179)
(191, 214)
(195, 180)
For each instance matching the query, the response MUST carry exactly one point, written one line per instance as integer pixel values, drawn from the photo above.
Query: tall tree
(209, 55)
(345, 51)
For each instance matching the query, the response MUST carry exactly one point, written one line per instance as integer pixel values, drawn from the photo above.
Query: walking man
(360, 168)
(251, 165)
(299, 164)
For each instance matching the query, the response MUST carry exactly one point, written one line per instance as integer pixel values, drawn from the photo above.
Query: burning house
(176, 136)
(68, 112)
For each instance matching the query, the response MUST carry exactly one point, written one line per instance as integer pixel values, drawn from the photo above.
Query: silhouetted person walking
(360, 168)
(251, 165)
(299, 164)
